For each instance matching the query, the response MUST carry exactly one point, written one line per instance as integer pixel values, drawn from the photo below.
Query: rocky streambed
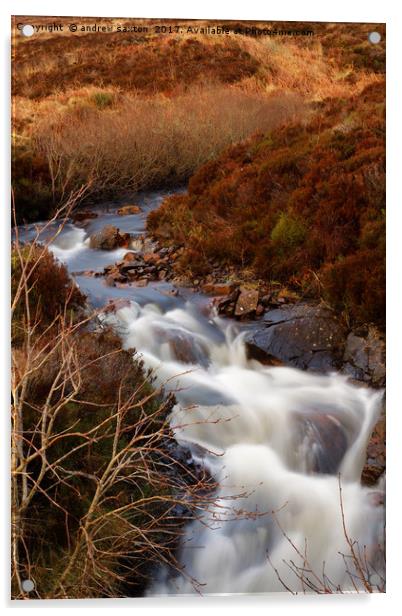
(279, 327)
(274, 395)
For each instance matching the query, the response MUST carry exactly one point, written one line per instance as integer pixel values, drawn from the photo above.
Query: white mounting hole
(374, 37)
(28, 585)
(27, 30)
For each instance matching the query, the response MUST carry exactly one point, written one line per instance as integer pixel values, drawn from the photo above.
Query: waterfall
(275, 439)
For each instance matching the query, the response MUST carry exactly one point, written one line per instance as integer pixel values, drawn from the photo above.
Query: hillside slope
(303, 205)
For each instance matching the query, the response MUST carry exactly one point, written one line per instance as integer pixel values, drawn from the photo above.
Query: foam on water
(277, 431)
(282, 436)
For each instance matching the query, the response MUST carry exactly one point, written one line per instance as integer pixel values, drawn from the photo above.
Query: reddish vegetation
(129, 64)
(303, 203)
(52, 290)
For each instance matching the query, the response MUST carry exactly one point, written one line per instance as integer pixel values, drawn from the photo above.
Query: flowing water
(274, 438)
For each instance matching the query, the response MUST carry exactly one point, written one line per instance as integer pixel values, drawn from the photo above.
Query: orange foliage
(303, 198)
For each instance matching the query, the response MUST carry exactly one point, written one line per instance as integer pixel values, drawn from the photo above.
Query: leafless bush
(95, 484)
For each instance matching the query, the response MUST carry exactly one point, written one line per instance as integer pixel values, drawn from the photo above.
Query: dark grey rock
(364, 357)
(304, 336)
(325, 439)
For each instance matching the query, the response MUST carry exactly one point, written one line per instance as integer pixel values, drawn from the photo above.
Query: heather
(303, 205)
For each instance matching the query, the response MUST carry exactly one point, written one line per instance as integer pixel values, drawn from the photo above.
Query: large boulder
(183, 347)
(304, 336)
(364, 356)
(109, 238)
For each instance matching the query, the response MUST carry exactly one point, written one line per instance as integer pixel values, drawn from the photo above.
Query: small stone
(218, 288)
(127, 210)
(266, 300)
(83, 215)
(246, 302)
(129, 257)
(150, 257)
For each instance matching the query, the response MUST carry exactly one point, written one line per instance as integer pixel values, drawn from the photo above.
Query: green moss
(288, 233)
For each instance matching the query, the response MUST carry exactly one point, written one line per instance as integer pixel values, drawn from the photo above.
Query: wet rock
(116, 276)
(109, 238)
(218, 288)
(246, 303)
(116, 304)
(185, 348)
(126, 210)
(377, 498)
(130, 265)
(83, 215)
(86, 273)
(364, 356)
(110, 281)
(129, 257)
(227, 305)
(304, 336)
(374, 467)
(259, 310)
(266, 300)
(321, 440)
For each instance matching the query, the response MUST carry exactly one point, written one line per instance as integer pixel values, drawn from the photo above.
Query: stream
(275, 438)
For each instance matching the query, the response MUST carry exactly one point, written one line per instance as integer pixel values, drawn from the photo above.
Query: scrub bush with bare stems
(95, 485)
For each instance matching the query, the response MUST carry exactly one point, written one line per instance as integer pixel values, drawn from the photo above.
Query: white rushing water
(274, 437)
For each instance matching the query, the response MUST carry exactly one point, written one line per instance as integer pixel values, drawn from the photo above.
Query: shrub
(90, 449)
(355, 285)
(287, 234)
(51, 289)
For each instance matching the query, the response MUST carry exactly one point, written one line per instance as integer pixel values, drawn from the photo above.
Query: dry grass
(142, 110)
(129, 142)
